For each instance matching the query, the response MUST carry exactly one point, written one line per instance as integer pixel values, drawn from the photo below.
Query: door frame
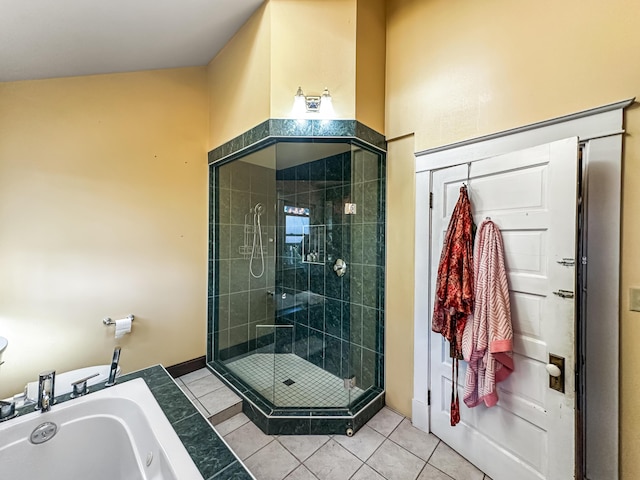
(601, 132)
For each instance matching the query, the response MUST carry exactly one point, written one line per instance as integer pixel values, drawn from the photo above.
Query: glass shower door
(366, 274)
(244, 266)
(288, 322)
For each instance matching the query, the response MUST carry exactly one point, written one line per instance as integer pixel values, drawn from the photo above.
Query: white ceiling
(61, 38)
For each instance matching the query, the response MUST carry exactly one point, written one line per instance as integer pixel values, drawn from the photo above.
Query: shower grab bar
(274, 326)
(108, 321)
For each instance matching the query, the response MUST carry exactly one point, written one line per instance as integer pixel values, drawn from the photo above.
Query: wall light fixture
(308, 106)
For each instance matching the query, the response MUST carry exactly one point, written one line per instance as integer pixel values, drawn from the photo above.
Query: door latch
(555, 369)
(564, 294)
(567, 262)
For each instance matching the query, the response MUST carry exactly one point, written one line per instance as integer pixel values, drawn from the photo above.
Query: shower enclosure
(296, 287)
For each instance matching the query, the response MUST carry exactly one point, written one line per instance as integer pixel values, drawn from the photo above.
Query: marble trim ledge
(280, 128)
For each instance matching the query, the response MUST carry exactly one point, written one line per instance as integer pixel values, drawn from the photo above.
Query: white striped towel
(487, 343)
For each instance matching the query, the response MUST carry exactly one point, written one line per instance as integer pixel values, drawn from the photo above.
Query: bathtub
(116, 433)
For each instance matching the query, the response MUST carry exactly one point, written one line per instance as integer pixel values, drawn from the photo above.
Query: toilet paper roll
(123, 326)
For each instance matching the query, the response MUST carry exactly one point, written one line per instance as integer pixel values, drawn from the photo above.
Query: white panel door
(531, 196)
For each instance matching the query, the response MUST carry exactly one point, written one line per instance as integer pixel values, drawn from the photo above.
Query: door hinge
(428, 398)
(349, 383)
(430, 199)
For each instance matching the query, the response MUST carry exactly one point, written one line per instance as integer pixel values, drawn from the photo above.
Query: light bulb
(326, 105)
(299, 106)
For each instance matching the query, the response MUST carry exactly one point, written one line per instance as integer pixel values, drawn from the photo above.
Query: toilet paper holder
(108, 321)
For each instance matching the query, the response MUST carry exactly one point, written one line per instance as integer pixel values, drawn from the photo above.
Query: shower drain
(288, 382)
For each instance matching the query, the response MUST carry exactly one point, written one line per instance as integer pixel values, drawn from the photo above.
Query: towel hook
(466, 184)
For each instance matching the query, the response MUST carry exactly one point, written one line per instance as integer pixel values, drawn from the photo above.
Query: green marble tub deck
(208, 451)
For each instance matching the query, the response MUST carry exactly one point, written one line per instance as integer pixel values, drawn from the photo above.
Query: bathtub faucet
(46, 390)
(114, 367)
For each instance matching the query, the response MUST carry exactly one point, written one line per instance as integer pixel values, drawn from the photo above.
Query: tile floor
(388, 447)
(212, 397)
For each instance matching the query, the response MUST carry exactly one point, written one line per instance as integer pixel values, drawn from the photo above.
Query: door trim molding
(602, 128)
(621, 105)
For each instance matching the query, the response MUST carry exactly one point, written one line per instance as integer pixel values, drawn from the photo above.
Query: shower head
(258, 209)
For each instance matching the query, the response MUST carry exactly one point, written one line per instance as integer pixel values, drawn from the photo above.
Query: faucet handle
(113, 370)
(80, 386)
(46, 390)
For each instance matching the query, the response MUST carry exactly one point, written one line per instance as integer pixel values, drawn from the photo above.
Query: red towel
(454, 288)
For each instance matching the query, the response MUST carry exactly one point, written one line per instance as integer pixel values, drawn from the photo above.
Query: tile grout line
(433, 466)
(408, 451)
(205, 394)
(444, 473)
(434, 451)
(356, 472)
(313, 453)
(183, 419)
(388, 437)
(223, 470)
(264, 446)
(368, 458)
(230, 431)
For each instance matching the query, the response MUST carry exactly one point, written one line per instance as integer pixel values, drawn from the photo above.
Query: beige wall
(239, 80)
(103, 212)
(457, 70)
(370, 63)
(338, 44)
(313, 46)
(400, 274)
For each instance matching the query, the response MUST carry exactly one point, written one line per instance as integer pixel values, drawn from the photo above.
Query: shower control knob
(340, 267)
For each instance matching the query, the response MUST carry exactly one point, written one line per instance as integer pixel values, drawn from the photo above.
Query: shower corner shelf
(314, 244)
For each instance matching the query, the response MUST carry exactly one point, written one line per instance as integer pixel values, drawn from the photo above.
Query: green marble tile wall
(342, 332)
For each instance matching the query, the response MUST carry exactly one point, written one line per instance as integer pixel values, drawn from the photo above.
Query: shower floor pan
(287, 380)
(284, 394)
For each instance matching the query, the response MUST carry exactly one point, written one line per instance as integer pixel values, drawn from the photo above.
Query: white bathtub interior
(116, 433)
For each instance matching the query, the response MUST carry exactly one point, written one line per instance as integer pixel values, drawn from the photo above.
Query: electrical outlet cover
(634, 299)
